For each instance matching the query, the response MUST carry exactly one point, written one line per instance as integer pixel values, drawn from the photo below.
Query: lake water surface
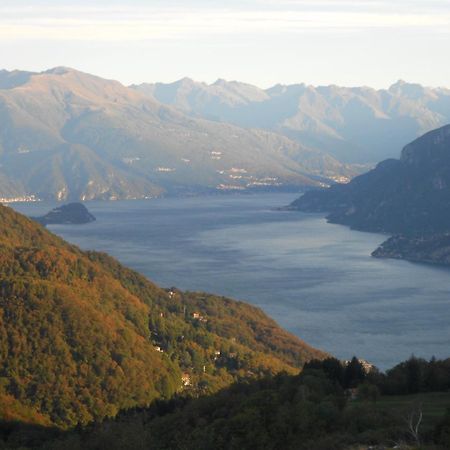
(315, 279)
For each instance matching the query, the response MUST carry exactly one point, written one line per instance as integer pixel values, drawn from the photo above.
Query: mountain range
(408, 197)
(65, 134)
(69, 135)
(353, 124)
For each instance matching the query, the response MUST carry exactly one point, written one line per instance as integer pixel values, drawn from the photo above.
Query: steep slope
(82, 337)
(70, 135)
(410, 195)
(355, 125)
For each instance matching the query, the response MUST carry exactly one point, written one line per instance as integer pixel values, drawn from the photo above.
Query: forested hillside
(82, 337)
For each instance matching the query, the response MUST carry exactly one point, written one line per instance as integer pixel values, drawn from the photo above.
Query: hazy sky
(371, 42)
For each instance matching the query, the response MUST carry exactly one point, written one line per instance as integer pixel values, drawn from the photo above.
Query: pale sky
(263, 42)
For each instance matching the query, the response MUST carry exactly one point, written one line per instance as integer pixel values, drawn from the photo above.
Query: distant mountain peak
(398, 83)
(220, 81)
(13, 78)
(60, 70)
(288, 90)
(185, 81)
(410, 90)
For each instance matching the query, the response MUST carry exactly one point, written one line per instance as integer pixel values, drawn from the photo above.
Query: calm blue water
(315, 279)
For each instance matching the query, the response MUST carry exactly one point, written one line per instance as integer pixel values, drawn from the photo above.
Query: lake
(315, 279)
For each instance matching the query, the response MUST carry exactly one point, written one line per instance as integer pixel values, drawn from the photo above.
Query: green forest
(407, 407)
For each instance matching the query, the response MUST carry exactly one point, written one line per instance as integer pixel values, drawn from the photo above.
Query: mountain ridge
(68, 135)
(353, 124)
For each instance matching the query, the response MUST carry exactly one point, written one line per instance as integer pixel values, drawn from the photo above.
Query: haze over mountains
(355, 125)
(65, 134)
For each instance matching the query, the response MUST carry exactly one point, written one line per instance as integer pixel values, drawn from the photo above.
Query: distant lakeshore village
(20, 199)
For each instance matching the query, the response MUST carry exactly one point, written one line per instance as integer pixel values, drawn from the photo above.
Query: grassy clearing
(433, 405)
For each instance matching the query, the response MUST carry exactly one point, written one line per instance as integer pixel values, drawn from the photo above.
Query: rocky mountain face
(409, 197)
(70, 135)
(355, 125)
(82, 337)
